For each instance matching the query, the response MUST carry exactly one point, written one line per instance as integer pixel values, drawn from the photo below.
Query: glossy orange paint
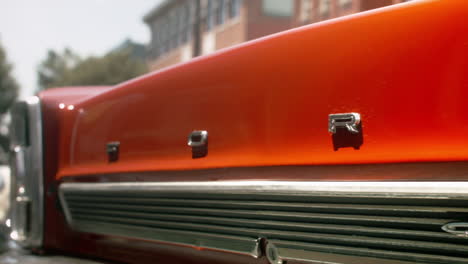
(266, 102)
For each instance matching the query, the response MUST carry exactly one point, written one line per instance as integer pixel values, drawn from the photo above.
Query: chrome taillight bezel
(27, 191)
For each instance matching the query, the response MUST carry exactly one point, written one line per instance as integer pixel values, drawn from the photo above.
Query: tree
(67, 69)
(8, 85)
(55, 67)
(8, 94)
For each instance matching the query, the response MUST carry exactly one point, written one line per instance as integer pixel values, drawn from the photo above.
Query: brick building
(177, 35)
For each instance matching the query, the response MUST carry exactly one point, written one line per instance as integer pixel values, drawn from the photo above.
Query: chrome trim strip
(286, 255)
(66, 210)
(36, 172)
(232, 244)
(425, 189)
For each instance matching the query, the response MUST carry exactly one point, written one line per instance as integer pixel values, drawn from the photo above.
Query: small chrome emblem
(349, 121)
(457, 228)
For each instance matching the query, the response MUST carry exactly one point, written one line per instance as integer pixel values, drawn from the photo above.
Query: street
(15, 255)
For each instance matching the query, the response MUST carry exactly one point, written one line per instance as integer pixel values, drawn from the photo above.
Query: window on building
(190, 19)
(189, 31)
(345, 4)
(180, 25)
(173, 30)
(186, 23)
(155, 32)
(156, 39)
(168, 33)
(209, 15)
(183, 36)
(324, 8)
(163, 36)
(220, 12)
(306, 11)
(281, 8)
(234, 8)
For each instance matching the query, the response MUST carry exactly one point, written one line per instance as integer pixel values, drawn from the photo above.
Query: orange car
(340, 142)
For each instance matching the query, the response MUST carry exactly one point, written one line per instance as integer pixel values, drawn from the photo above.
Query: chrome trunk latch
(346, 130)
(198, 140)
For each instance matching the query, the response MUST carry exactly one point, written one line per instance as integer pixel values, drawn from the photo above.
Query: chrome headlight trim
(27, 192)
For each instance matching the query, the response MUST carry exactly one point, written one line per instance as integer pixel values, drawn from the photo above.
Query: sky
(29, 28)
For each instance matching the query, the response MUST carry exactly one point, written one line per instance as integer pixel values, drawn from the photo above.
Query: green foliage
(55, 67)
(8, 93)
(68, 69)
(8, 85)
